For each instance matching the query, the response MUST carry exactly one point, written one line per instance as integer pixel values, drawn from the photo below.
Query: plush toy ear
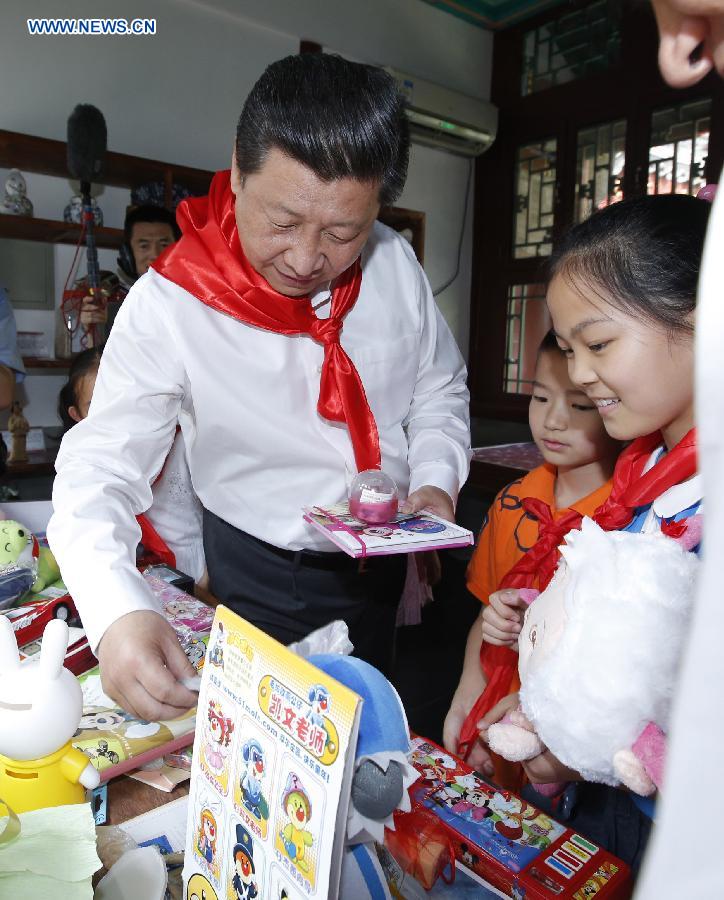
(514, 743)
(376, 793)
(630, 771)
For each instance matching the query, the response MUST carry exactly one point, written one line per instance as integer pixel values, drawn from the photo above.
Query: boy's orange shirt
(509, 532)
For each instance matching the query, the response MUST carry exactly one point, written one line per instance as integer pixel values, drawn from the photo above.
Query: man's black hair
(339, 118)
(149, 213)
(641, 255)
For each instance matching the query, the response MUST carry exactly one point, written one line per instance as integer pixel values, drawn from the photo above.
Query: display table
(128, 798)
(491, 468)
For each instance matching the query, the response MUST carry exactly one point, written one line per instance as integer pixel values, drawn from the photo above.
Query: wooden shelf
(49, 231)
(39, 462)
(37, 362)
(48, 157)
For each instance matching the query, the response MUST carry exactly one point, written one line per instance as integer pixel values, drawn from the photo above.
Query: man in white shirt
(296, 341)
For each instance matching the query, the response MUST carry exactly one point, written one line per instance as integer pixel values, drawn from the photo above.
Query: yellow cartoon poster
(271, 771)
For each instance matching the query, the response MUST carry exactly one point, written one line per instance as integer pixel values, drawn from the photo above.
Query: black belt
(319, 559)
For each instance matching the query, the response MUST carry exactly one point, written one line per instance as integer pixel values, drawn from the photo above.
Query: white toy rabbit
(40, 707)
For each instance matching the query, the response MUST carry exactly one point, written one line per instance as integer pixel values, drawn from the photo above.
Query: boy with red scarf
(573, 481)
(296, 342)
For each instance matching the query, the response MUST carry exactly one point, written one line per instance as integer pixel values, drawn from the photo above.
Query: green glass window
(527, 323)
(572, 46)
(678, 148)
(535, 188)
(600, 167)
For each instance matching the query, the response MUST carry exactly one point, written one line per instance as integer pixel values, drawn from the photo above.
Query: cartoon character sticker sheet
(217, 728)
(255, 767)
(271, 769)
(206, 816)
(246, 870)
(298, 817)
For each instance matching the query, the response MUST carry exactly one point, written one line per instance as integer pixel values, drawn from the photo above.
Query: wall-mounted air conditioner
(446, 119)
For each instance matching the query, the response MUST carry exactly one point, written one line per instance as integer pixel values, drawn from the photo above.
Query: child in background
(579, 459)
(622, 297)
(176, 513)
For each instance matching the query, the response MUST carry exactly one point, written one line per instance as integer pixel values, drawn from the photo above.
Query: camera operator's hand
(93, 309)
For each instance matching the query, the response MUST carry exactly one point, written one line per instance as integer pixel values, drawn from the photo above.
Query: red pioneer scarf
(153, 544)
(632, 488)
(209, 263)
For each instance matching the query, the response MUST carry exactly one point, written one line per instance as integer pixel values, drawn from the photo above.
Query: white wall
(176, 96)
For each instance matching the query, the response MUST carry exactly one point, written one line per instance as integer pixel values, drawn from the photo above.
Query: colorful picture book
(272, 765)
(118, 742)
(406, 533)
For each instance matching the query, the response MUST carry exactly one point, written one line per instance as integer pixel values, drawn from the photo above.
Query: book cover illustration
(406, 533)
(508, 842)
(271, 769)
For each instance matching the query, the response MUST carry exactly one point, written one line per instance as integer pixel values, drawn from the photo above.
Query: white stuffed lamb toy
(599, 656)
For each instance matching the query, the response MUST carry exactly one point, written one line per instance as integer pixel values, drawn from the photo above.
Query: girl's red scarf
(632, 488)
(209, 262)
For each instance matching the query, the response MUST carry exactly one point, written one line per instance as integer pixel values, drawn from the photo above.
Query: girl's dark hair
(340, 119)
(640, 255)
(85, 362)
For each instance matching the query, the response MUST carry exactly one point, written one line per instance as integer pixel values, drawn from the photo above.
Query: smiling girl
(622, 297)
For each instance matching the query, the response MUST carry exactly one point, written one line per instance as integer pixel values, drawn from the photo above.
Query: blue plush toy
(382, 773)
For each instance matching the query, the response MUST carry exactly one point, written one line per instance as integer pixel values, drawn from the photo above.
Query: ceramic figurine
(73, 212)
(18, 427)
(16, 202)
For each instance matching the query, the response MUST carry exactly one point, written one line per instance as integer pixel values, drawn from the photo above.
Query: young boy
(579, 460)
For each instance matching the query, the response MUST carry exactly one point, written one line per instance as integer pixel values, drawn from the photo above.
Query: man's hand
(503, 618)
(142, 664)
(93, 310)
(478, 756)
(432, 498)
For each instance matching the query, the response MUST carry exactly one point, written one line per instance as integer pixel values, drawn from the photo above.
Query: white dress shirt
(684, 860)
(246, 401)
(177, 514)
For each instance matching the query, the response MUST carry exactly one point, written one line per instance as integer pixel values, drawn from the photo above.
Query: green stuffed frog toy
(19, 548)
